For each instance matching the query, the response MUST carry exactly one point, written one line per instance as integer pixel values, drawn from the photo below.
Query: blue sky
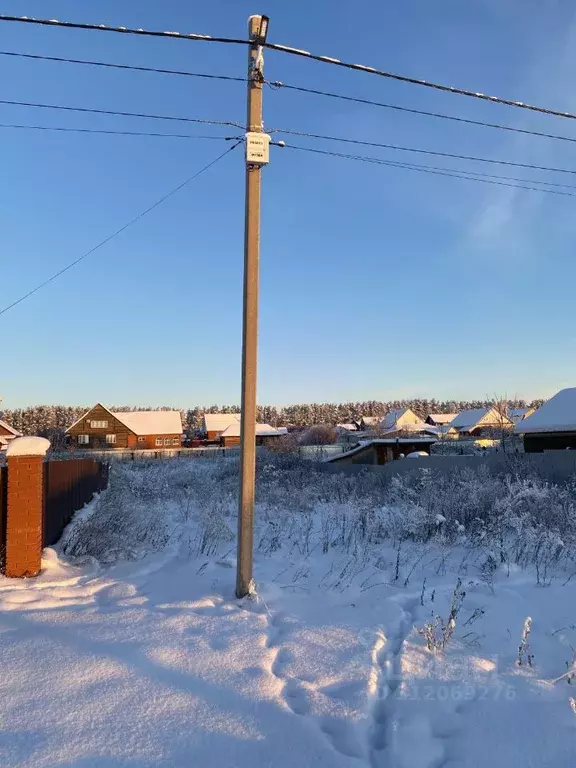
(375, 282)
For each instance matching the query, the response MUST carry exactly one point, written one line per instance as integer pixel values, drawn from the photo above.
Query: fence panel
(68, 486)
(3, 506)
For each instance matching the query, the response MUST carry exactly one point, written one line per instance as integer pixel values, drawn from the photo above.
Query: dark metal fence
(68, 486)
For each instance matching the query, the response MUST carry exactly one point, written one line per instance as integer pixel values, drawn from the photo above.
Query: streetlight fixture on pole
(257, 155)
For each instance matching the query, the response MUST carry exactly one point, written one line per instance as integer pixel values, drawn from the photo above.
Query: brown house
(7, 433)
(100, 428)
(214, 424)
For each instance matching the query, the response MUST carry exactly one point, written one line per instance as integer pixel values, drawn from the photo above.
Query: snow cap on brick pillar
(24, 519)
(27, 446)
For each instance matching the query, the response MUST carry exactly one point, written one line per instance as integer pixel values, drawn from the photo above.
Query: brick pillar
(24, 518)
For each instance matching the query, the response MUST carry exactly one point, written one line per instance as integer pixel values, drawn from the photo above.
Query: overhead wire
(278, 85)
(417, 81)
(133, 67)
(122, 30)
(119, 231)
(117, 113)
(421, 151)
(116, 133)
(424, 169)
(294, 52)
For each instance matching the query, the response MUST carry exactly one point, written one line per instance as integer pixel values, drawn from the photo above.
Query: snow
(442, 418)
(556, 415)
(217, 422)
(152, 422)
(154, 662)
(469, 418)
(261, 429)
(417, 454)
(27, 446)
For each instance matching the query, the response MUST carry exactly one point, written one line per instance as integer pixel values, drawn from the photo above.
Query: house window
(98, 425)
(167, 441)
(175, 441)
(141, 439)
(83, 439)
(111, 439)
(159, 441)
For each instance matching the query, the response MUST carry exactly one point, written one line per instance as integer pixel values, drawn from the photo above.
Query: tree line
(49, 420)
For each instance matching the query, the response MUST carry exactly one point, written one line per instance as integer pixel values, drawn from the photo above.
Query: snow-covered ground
(149, 659)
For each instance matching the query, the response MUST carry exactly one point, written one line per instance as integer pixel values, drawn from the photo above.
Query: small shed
(384, 449)
(553, 426)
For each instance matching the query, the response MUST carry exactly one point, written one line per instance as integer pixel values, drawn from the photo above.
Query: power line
(416, 81)
(279, 85)
(119, 231)
(122, 30)
(123, 66)
(425, 169)
(116, 133)
(422, 151)
(231, 124)
(116, 113)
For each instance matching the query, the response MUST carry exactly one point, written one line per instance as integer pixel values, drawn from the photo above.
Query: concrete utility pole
(257, 150)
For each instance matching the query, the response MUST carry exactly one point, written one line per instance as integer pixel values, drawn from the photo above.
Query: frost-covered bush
(505, 517)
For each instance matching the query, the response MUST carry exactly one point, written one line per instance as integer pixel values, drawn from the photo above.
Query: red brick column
(24, 518)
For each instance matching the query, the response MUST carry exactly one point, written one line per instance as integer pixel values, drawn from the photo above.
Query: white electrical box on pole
(257, 155)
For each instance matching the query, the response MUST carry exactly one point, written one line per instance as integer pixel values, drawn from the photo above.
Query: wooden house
(264, 434)
(7, 433)
(553, 426)
(479, 422)
(100, 428)
(214, 424)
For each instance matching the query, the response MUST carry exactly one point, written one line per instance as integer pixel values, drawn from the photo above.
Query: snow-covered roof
(370, 420)
(517, 414)
(442, 418)
(382, 441)
(261, 430)
(151, 422)
(471, 418)
(399, 418)
(556, 415)
(347, 427)
(218, 422)
(10, 429)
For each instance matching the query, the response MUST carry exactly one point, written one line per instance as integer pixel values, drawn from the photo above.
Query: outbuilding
(553, 426)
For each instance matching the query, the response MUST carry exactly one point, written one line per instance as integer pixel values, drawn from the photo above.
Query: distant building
(440, 419)
(366, 423)
(264, 434)
(518, 414)
(7, 433)
(101, 428)
(479, 422)
(383, 450)
(402, 421)
(552, 426)
(216, 423)
(346, 428)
